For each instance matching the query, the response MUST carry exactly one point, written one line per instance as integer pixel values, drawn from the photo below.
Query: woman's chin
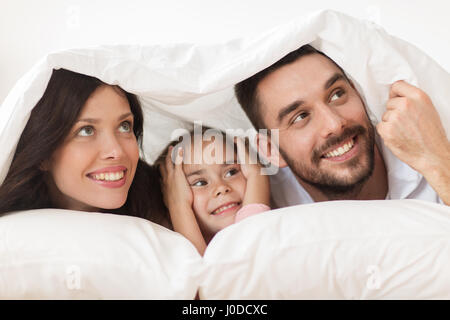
(108, 204)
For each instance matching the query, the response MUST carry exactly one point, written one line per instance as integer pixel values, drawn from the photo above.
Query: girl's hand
(176, 190)
(178, 199)
(249, 170)
(257, 189)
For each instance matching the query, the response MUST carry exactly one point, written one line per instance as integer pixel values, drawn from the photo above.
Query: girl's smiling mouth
(227, 207)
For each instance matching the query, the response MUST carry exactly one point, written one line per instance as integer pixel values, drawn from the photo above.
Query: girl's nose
(222, 189)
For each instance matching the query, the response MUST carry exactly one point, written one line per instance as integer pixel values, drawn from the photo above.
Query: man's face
(325, 135)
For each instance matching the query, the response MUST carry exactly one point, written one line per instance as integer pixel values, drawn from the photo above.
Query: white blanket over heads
(180, 83)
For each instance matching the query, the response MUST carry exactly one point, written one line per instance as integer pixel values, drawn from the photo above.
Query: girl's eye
(231, 172)
(199, 183)
(300, 116)
(125, 126)
(86, 131)
(339, 93)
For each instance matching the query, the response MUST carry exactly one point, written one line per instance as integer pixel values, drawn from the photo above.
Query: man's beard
(333, 186)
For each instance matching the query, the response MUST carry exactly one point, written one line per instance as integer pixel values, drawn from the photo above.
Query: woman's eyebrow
(94, 120)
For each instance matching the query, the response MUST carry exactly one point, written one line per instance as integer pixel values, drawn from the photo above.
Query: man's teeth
(224, 208)
(109, 176)
(341, 150)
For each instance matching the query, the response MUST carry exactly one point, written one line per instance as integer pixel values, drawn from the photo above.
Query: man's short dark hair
(246, 92)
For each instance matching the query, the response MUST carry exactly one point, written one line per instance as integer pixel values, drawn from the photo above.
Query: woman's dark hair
(51, 120)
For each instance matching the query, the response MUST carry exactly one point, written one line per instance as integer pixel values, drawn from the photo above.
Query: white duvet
(335, 250)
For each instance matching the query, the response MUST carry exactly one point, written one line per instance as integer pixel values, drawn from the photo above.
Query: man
(330, 150)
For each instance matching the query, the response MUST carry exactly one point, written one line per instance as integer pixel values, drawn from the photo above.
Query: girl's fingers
(168, 161)
(241, 150)
(179, 158)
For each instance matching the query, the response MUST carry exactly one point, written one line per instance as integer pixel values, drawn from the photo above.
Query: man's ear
(269, 150)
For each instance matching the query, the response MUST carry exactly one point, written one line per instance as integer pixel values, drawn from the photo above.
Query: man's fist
(412, 130)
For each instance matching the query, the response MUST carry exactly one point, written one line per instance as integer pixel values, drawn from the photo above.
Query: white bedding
(325, 250)
(397, 249)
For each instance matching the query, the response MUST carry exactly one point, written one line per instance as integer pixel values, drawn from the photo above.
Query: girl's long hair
(24, 187)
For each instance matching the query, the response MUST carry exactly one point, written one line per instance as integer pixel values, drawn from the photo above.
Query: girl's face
(218, 190)
(95, 166)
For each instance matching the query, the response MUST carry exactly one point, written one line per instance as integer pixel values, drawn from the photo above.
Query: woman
(80, 151)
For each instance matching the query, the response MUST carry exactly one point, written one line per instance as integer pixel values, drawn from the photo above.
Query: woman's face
(94, 167)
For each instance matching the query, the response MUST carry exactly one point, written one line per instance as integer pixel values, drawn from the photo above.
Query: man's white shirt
(403, 183)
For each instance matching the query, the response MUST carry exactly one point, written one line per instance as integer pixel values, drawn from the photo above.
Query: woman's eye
(231, 172)
(86, 131)
(125, 126)
(300, 116)
(337, 95)
(199, 183)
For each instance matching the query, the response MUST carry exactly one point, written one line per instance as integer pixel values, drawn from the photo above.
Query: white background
(31, 29)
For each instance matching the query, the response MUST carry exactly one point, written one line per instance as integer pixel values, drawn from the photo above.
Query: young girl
(205, 197)
(80, 151)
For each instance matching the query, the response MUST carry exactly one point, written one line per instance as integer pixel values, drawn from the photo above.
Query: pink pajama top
(250, 210)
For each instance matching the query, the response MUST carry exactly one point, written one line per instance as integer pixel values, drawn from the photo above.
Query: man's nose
(332, 123)
(111, 147)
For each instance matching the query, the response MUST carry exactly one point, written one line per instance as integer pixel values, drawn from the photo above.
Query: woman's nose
(111, 148)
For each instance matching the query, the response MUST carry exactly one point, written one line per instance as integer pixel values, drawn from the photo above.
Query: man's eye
(126, 126)
(199, 183)
(300, 116)
(337, 95)
(86, 131)
(231, 172)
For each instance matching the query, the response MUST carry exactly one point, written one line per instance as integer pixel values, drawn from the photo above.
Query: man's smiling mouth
(341, 150)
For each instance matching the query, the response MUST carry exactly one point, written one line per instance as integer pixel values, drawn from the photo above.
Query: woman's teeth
(341, 150)
(225, 208)
(109, 176)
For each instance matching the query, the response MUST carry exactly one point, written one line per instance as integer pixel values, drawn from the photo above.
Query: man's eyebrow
(294, 105)
(198, 172)
(92, 120)
(336, 77)
(288, 109)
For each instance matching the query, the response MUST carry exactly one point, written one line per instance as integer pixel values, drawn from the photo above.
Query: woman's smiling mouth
(110, 177)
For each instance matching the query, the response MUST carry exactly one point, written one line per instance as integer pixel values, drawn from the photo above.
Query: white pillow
(62, 254)
(392, 249)
(397, 249)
